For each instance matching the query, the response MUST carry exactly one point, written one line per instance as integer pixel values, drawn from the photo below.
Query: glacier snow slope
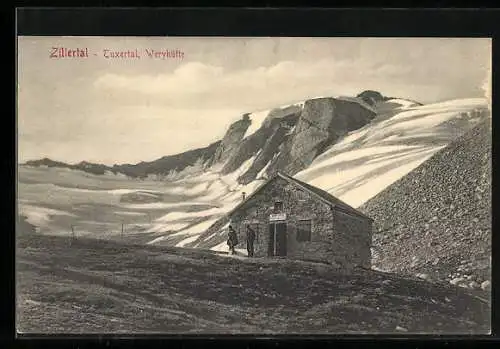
(354, 169)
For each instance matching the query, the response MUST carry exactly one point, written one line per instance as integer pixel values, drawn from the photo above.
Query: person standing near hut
(250, 240)
(232, 240)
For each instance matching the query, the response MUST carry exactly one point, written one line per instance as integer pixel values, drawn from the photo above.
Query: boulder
(401, 329)
(474, 285)
(486, 285)
(456, 281)
(423, 276)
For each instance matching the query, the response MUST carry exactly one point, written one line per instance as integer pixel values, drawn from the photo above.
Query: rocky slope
(436, 221)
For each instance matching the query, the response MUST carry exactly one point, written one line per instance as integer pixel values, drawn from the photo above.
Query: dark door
(280, 239)
(277, 239)
(270, 242)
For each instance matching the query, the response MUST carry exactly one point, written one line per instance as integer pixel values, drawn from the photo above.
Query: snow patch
(457, 103)
(362, 164)
(222, 247)
(199, 228)
(299, 104)
(162, 228)
(40, 216)
(210, 236)
(144, 192)
(356, 100)
(359, 195)
(126, 213)
(161, 205)
(263, 171)
(182, 215)
(403, 103)
(156, 240)
(186, 241)
(257, 121)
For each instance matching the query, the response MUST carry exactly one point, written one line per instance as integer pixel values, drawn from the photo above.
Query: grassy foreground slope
(89, 286)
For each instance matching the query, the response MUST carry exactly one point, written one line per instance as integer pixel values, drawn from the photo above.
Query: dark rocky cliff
(291, 138)
(322, 122)
(264, 143)
(231, 140)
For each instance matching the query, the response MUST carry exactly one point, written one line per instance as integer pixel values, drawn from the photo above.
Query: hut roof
(318, 193)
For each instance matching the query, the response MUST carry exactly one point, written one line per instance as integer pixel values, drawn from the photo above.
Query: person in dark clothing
(250, 240)
(232, 240)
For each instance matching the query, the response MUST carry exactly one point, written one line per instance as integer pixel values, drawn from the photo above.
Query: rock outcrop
(371, 97)
(291, 138)
(322, 122)
(231, 140)
(141, 197)
(271, 131)
(263, 144)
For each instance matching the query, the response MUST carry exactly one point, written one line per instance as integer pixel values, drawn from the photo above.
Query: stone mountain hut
(296, 220)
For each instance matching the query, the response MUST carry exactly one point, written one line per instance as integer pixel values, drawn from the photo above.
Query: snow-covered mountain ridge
(352, 147)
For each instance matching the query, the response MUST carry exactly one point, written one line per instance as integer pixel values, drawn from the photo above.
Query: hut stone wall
(335, 237)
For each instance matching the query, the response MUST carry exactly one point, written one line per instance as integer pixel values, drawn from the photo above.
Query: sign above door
(273, 217)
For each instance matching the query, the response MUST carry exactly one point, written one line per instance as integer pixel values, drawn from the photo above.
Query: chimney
(243, 195)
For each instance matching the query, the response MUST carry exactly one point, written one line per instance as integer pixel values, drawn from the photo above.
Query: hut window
(304, 230)
(278, 206)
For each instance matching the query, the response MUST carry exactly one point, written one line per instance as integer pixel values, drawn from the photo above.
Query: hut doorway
(277, 239)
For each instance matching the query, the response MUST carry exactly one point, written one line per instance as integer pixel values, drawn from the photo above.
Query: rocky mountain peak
(371, 97)
(231, 139)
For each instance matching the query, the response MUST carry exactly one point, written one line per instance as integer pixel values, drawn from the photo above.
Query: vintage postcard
(253, 185)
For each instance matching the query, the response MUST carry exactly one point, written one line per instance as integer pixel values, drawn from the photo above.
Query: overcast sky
(130, 110)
